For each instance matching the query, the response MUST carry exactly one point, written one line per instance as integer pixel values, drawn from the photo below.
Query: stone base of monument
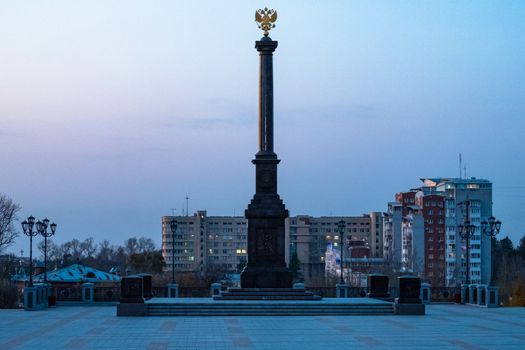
(267, 294)
(266, 277)
(132, 309)
(409, 309)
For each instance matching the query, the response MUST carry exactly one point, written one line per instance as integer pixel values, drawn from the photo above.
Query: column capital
(266, 45)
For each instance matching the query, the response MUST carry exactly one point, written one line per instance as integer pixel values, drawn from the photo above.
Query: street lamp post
(466, 231)
(43, 231)
(491, 228)
(27, 226)
(173, 226)
(341, 225)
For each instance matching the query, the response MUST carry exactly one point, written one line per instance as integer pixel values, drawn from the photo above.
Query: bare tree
(131, 245)
(146, 245)
(89, 247)
(8, 211)
(76, 249)
(106, 251)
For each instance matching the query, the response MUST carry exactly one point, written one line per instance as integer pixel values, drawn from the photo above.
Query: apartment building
(457, 192)
(200, 240)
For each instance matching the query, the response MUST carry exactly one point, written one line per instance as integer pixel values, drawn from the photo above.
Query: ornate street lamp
(173, 226)
(491, 228)
(27, 226)
(43, 231)
(466, 232)
(341, 225)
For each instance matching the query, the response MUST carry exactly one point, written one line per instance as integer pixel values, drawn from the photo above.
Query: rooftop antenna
(172, 211)
(465, 170)
(187, 204)
(460, 160)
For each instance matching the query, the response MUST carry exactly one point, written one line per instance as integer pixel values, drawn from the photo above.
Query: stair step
(273, 309)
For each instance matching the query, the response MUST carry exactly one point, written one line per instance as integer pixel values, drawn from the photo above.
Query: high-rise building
(457, 193)
(433, 207)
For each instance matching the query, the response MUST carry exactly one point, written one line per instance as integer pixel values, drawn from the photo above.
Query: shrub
(8, 295)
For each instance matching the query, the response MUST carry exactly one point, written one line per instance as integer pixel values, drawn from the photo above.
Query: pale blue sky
(112, 111)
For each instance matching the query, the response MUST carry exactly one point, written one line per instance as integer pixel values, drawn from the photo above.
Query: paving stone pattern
(97, 327)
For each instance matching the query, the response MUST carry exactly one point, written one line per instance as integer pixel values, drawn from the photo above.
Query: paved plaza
(96, 327)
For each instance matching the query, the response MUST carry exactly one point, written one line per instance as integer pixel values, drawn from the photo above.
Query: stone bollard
(45, 294)
(30, 298)
(465, 294)
(409, 302)
(473, 294)
(341, 290)
(34, 297)
(378, 286)
(51, 298)
(146, 285)
(215, 289)
(88, 289)
(482, 294)
(425, 293)
(173, 290)
(493, 296)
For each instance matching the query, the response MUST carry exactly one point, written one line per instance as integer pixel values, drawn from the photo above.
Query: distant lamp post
(173, 226)
(27, 226)
(466, 232)
(491, 228)
(42, 229)
(341, 225)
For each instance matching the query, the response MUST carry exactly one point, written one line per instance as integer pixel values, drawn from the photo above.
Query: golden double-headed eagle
(266, 19)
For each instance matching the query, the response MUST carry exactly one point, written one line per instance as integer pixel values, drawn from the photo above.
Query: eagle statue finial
(266, 19)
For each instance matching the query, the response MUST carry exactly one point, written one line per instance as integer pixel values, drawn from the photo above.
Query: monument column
(266, 214)
(266, 47)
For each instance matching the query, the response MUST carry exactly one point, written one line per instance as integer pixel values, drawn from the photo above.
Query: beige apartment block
(201, 240)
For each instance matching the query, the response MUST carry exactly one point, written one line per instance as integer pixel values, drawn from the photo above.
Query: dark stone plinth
(132, 289)
(266, 214)
(409, 290)
(146, 285)
(409, 309)
(267, 294)
(266, 277)
(132, 309)
(378, 286)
